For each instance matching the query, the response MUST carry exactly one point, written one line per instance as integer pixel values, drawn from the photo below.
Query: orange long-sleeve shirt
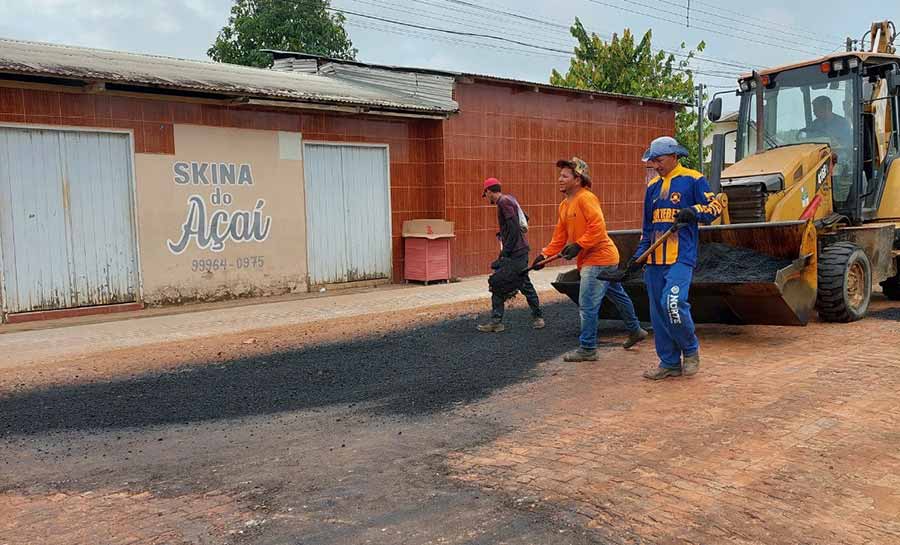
(581, 221)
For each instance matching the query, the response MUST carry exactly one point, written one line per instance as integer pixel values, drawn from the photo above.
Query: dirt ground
(409, 427)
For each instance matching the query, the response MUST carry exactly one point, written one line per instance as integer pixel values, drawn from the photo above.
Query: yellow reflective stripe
(672, 249)
(659, 257)
(714, 208)
(664, 192)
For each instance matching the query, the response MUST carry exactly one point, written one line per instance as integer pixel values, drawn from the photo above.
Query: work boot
(538, 323)
(659, 373)
(691, 364)
(492, 327)
(582, 354)
(635, 338)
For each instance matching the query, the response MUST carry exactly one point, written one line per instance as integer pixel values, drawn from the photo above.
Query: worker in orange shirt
(581, 232)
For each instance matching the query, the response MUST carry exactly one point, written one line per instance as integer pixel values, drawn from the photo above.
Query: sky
(736, 34)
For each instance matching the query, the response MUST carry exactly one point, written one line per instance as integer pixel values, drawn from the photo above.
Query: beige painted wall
(178, 262)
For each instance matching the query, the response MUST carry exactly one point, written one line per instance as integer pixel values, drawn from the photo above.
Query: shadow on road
(410, 372)
(891, 313)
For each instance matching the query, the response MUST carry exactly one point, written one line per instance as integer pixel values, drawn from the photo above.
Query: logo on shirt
(675, 198)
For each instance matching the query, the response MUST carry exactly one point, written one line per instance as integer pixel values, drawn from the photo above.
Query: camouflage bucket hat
(578, 166)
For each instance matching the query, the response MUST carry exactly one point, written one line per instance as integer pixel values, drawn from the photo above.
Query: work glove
(498, 263)
(631, 266)
(536, 265)
(686, 216)
(571, 251)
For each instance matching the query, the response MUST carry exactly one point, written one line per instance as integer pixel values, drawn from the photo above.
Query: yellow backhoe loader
(814, 195)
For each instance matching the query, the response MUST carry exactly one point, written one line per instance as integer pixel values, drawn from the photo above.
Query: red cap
(489, 182)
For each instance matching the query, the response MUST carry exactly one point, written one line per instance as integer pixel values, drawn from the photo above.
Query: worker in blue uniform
(677, 195)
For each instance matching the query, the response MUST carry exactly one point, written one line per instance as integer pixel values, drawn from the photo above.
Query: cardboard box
(430, 229)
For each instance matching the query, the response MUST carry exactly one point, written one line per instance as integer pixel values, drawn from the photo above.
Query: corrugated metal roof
(279, 54)
(282, 61)
(61, 61)
(425, 86)
(550, 87)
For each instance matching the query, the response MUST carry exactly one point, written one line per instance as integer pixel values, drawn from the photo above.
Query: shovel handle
(671, 231)
(543, 263)
(619, 275)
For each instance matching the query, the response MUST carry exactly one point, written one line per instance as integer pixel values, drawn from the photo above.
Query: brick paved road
(404, 428)
(788, 436)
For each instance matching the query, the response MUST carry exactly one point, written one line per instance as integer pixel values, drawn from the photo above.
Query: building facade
(128, 180)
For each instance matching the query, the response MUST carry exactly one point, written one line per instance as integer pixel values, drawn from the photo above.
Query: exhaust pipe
(717, 161)
(760, 115)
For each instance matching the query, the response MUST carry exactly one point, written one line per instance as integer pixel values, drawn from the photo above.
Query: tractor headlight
(772, 183)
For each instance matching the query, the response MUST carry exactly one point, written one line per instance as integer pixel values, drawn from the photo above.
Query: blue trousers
(590, 297)
(670, 313)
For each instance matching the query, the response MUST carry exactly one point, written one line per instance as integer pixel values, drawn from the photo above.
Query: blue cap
(664, 145)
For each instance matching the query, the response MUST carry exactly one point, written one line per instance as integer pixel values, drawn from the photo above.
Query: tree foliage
(623, 66)
(289, 25)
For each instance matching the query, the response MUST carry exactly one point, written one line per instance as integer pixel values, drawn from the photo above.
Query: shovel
(541, 264)
(619, 275)
(506, 281)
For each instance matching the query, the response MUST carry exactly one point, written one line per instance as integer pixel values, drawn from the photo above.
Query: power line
(447, 31)
(739, 34)
(452, 20)
(540, 49)
(507, 13)
(808, 37)
(761, 20)
(566, 28)
(454, 41)
(645, 14)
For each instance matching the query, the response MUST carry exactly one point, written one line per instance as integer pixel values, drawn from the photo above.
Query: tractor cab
(847, 102)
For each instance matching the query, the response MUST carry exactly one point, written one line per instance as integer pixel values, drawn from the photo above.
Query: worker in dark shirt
(513, 252)
(839, 131)
(827, 123)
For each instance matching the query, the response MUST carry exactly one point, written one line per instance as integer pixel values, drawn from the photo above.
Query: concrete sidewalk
(29, 347)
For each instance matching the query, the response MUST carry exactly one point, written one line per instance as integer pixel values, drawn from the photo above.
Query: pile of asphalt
(717, 262)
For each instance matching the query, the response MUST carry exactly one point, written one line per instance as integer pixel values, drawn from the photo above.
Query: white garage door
(66, 219)
(348, 213)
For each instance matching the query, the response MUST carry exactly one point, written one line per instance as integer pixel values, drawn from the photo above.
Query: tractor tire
(891, 287)
(845, 283)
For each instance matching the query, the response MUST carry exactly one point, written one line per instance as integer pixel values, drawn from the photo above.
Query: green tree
(623, 66)
(289, 25)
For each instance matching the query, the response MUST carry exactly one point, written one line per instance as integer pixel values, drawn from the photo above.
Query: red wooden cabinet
(426, 250)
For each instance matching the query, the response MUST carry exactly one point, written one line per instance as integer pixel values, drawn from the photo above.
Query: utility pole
(689, 13)
(700, 88)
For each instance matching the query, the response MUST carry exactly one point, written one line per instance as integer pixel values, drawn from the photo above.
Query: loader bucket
(753, 273)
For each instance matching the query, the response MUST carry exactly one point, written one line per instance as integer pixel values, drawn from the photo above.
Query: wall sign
(210, 223)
